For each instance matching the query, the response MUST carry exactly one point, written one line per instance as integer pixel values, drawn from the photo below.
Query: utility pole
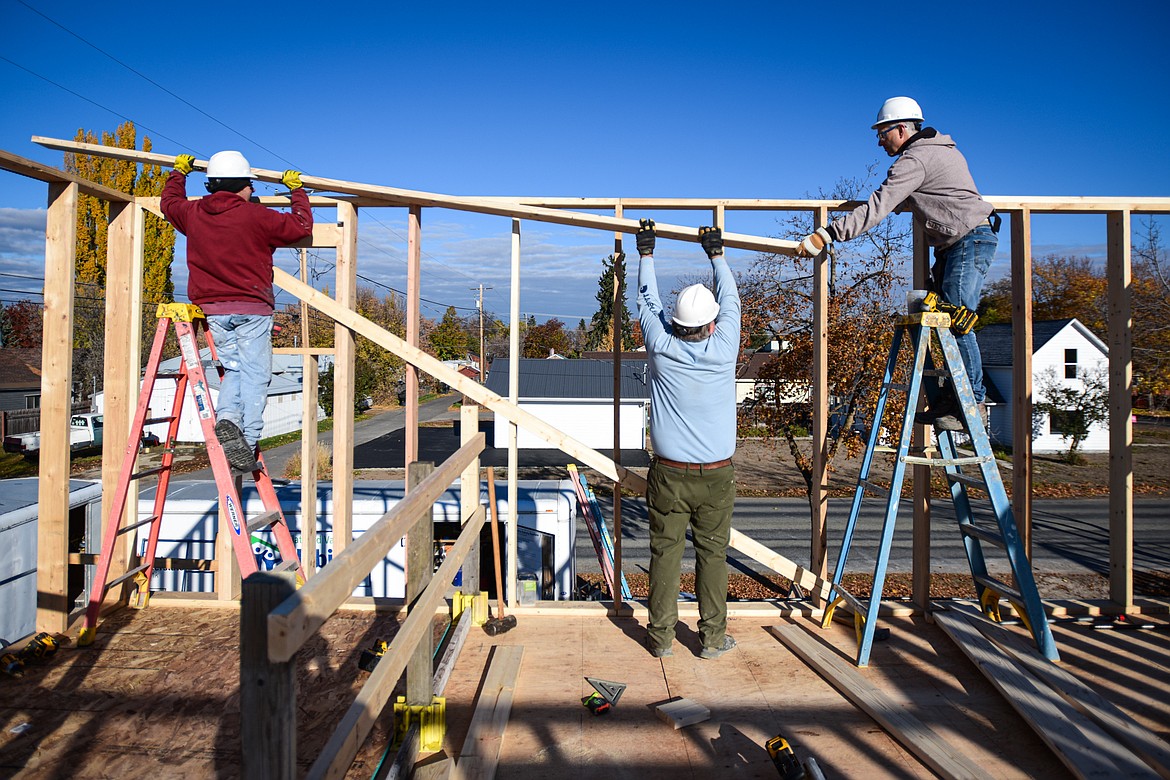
(482, 358)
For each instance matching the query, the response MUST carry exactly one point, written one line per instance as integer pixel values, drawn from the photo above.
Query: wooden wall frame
(63, 188)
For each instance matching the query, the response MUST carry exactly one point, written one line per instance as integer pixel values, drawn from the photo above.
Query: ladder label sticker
(233, 515)
(199, 390)
(190, 354)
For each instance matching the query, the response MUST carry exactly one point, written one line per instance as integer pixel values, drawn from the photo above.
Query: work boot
(239, 455)
(710, 653)
(945, 406)
(655, 650)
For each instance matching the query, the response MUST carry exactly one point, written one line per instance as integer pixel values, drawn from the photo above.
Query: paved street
(1070, 535)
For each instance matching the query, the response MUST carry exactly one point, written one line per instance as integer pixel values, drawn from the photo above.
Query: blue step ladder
(979, 470)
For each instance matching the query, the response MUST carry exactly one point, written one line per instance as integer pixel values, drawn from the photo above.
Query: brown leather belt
(674, 464)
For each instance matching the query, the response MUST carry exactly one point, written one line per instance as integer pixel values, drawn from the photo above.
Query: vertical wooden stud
(310, 377)
(920, 533)
(1022, 374)
(820, 405)
(343, 381)
(420, 561)
(1120, 332)
(413, 293)
(514, 397)
(56, 396)
(469, 491)
(268, 703)
(619, 291)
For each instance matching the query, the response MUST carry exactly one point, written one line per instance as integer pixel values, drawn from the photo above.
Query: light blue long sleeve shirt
(692, 384)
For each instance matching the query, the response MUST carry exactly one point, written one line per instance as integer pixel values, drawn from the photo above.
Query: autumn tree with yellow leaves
(93, 216)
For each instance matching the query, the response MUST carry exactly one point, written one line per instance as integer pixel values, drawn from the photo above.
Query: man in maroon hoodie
(230, 241)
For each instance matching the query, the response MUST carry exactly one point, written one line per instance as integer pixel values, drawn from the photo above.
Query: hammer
(497, 625)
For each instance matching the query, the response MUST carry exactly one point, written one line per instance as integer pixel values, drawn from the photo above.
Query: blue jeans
(962, 267)
(243, 343)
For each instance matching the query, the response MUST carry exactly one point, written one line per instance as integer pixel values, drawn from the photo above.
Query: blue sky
(570, 99)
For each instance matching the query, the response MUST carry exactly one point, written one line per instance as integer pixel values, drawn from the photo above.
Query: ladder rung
(128, 528)
(1000, 587)
(899, 387)
(167, 375)
(878, 490)
(149, 472)
(944, 461)
(125, 576)
(285, 566)
(883, 448)
(966, 480)
(970, 529)
(155, 420)
(266, 520)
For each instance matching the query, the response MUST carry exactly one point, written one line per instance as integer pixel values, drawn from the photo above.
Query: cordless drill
(787, 764)
(962, 318)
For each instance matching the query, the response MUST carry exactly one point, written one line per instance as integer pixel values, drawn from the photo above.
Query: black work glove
(646, 237)
(712, 240)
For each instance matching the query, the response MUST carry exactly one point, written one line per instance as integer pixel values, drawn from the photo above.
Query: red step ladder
(188, 320)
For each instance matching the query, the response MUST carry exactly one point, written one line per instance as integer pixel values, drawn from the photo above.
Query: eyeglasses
(881, 134)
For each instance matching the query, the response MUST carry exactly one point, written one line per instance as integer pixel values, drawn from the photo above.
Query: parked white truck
(85, 432)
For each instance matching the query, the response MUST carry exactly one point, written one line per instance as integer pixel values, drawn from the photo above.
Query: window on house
(32, 402)
(1070, 364)
(1065, 422)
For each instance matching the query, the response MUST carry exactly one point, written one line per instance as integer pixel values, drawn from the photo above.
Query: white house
(281, 415)
(576, 396)
(1063, 350)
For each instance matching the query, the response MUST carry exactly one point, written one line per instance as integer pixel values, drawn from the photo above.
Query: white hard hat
(695, 306)
(228, 165)
(898, 109)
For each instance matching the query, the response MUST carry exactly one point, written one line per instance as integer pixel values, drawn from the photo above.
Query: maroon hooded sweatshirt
(230, 242)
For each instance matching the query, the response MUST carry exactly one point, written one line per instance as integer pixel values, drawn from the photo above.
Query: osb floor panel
(158, 694)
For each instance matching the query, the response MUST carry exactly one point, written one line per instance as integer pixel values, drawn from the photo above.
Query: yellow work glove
(292, 180)
(814, 243)
(184, 163)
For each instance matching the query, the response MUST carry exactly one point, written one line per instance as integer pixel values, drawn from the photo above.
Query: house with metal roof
(1064, 352)
(282, 414)
(576, 396)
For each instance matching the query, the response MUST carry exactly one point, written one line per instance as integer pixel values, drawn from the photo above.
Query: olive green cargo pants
(702, 499)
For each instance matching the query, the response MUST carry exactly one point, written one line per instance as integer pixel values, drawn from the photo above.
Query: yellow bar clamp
(431, 719)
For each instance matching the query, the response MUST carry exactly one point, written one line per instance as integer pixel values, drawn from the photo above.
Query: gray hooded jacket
(930, 178)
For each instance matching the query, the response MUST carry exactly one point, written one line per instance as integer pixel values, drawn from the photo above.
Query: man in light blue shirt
(691, 482)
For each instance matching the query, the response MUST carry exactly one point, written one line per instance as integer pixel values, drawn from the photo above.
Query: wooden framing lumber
(56, 393)
(481, 748)
(401, 197)
(1119, 272)
(468, 387)
(268, 726)
(46, 173)
(451, 654)
(681, 712)
(339, 752)
(931, 749)
(420, 561)
(1136, 737)
(513, 413)
(296, 619)
(1021, 252)
(1083, 747)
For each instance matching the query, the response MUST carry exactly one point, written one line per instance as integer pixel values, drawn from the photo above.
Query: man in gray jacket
(930, 179)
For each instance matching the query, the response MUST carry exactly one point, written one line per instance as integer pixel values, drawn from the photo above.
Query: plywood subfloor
(158, 695)
(761, 689)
